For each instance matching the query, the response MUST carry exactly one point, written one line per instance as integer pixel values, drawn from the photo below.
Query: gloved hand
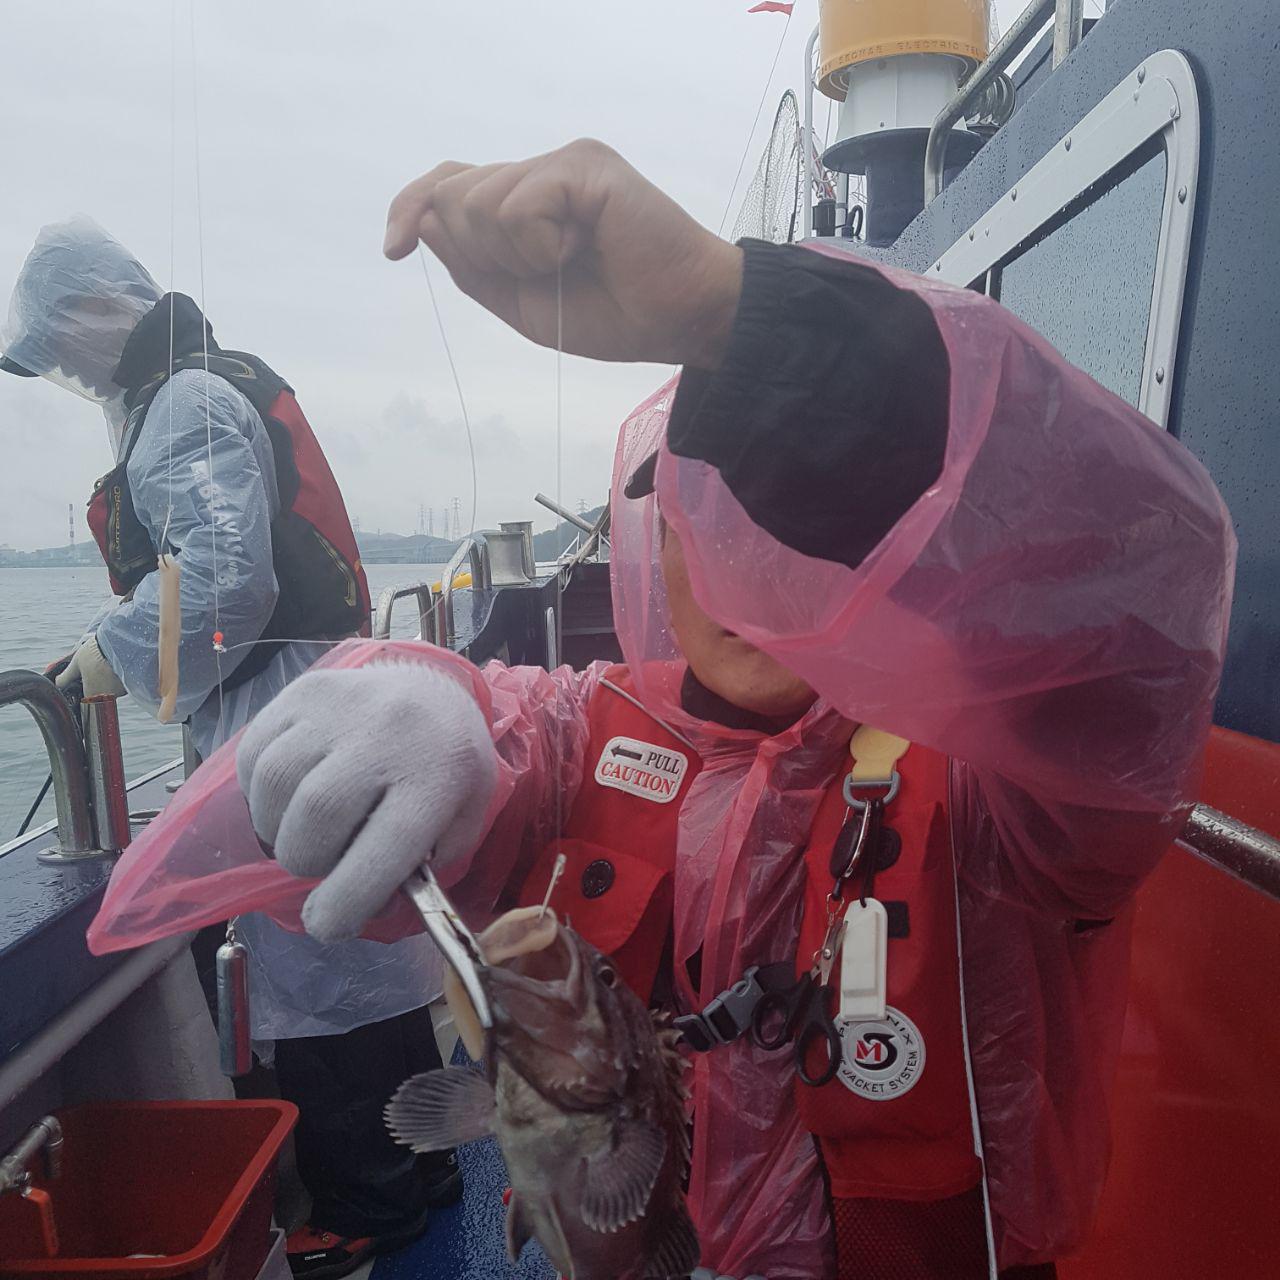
(361, 776)
(92, 671)
(58, 666)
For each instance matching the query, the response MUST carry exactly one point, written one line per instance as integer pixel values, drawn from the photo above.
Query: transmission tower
(422, 521)
(431, 522)
(457, 519)
(71, 525)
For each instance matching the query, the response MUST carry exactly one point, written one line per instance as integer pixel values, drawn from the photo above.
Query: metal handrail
(66, 753)
(806, 226)
(1242, 851)
(426, 610)
(1068, 28)
(1018, 37)
(556, 509)
(471, 549)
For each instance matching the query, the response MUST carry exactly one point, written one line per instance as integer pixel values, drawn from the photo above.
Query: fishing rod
(31, 813)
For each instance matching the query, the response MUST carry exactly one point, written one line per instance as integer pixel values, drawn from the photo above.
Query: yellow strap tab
(170, 602)
(875, 753)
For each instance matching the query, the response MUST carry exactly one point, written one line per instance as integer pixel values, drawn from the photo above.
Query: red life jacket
(323, 593)
(895, 1126)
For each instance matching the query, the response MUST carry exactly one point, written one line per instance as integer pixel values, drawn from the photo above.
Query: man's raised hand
(641, 279)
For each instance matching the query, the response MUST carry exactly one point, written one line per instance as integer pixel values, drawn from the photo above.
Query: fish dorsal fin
(676, 1250)
(441, 1109)
(620, 1180)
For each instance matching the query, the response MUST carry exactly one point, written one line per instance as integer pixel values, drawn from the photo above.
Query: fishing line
(31, 813)
(466, 422)
(559, 590)
(218, 648)
(173, 220)
(728, 204)
(457, 383)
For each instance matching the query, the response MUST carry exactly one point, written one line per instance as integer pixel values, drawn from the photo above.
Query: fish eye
(607, 975)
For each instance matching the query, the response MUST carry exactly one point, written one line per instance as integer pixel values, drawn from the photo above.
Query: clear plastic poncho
(78, 297)
(1051, 613)
(203, 481)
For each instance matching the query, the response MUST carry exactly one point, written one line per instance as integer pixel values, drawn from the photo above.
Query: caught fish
(584, 1095)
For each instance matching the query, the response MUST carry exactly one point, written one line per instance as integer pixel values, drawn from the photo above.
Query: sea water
(43, 614)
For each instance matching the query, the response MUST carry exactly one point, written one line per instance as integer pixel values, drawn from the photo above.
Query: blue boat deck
(468, 1240)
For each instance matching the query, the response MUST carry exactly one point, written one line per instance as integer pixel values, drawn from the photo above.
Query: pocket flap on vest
(603, 893)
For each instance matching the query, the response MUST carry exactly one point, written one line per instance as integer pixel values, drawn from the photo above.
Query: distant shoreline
(97, 564)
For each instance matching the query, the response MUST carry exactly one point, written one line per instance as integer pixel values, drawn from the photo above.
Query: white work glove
(93, 672)
(361, 776)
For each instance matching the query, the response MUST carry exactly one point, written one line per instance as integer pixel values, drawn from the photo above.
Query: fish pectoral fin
(519, 1231)
(620, 1180)
(676, 1249)
(441, 1109)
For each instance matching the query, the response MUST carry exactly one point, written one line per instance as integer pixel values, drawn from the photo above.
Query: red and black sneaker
(316, 1254)
(324, 1255)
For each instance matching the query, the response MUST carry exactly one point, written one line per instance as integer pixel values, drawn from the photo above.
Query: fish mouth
(545, 1021)
(539, 963)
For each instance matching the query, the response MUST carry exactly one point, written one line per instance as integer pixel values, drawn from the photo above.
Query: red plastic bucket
(152, 1190)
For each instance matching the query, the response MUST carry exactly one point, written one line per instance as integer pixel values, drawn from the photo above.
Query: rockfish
(583, 1092)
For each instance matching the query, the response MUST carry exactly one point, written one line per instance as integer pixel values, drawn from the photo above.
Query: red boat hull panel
(1193, 1190)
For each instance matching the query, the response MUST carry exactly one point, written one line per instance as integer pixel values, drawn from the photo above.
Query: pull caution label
(642, 769)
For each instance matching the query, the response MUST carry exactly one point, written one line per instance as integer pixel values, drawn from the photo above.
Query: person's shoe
(315, 1254)
(324, 1255)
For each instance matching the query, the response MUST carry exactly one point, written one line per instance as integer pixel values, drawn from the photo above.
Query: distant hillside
(83, 553)
(375, 548)
(396, 548)
(550, 544)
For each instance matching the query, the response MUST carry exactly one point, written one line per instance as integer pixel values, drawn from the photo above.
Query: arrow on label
(631, 755)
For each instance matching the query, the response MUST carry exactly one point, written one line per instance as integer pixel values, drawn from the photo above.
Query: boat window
(1091, 245)
(1086, 282)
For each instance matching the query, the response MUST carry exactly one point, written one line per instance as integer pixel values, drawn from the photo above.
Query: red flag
(772, 6)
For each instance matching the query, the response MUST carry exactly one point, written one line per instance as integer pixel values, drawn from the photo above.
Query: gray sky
(311, 116)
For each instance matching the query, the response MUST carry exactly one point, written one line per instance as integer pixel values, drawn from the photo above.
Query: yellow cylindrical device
(855, 31)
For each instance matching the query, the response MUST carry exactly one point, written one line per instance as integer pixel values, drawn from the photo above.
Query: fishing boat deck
(468, 1240)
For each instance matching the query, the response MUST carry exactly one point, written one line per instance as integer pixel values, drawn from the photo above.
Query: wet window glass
(1086, 281)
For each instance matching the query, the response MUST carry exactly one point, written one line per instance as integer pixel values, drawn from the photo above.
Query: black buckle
(728, 1016)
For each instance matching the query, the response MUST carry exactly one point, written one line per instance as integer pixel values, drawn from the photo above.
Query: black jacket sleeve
(828, 417)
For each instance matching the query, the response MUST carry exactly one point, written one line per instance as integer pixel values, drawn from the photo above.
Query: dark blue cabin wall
(1227, 381)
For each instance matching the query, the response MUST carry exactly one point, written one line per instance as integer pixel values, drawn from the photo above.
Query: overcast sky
(311, 116)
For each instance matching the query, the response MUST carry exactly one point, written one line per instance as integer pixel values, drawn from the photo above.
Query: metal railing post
(66, 755)
(426, 611)
(472, 551)
(105, 762)
(1024, 30)
(1068, 28)
(807, 206)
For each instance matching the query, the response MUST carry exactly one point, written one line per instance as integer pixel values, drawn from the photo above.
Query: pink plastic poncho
(1051, 613)
(200, 861)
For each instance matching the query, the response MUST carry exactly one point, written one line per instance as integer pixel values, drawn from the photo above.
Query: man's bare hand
(641, 279)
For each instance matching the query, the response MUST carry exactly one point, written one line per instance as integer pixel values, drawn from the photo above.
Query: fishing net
(771, 208)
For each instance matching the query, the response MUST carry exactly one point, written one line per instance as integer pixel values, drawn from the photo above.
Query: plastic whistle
(864, 962)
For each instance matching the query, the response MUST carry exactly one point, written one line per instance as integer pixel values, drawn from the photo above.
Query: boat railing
(1068, 27)
(1242, 851)
(86, 764)
(65, 748)
(473, 552)
(426, 597)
